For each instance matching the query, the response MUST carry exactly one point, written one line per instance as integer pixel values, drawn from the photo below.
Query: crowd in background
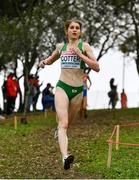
(11, 89)
(113, 96)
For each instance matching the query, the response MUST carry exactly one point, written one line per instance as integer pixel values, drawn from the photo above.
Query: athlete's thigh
(61, 104)
(74, 106)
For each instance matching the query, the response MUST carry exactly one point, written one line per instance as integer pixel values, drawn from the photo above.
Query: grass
(31, 152)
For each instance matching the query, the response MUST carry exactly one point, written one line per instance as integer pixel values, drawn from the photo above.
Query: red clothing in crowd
(12, 87)
(123, 100)
(33, 81)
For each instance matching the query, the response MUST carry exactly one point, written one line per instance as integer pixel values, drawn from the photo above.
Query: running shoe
(68, 161)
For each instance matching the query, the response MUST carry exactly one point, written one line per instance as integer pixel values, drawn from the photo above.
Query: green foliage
(32, 28)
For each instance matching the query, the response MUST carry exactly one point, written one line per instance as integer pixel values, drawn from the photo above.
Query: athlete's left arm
(89, 58)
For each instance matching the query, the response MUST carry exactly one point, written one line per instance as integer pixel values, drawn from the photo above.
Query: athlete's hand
(42, 64)
(77, 51)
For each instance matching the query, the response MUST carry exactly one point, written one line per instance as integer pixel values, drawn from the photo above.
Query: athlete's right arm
(52, 58)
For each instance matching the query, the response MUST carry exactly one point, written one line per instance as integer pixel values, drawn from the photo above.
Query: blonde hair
(68, 22)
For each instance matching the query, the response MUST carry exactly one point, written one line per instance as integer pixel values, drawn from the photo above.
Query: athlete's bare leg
(74, 107)
(61, 104)
(66, 113)
(84, 106)
(83, 112)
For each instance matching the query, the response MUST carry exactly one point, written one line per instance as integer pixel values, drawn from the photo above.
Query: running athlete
(68, 95)
(86, 79)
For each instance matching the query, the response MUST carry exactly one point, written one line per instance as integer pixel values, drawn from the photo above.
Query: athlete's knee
(63, 125)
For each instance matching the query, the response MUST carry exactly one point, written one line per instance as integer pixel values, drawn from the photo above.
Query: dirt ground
(36, 155)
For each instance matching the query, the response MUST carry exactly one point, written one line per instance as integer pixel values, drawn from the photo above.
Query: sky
(111, 66)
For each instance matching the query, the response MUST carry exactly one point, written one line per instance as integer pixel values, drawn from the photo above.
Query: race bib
(70, 60)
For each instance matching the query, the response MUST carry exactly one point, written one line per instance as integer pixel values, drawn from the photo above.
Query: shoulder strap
(64, 47)
(80, 46)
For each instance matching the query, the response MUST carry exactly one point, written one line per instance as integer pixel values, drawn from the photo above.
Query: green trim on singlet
(80, 46)
(71, 91)
(64, 48)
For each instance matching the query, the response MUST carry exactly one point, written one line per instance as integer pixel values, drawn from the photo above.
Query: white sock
(65, 157)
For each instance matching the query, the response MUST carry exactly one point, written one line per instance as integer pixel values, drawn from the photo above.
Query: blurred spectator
(4, 94)
(86, 87)
(12, 88)
(37, 85)
(48, 97)
(113, 95)
(32, 90)
(123, 99)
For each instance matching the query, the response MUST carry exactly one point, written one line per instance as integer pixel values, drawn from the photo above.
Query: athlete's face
(74, 31)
